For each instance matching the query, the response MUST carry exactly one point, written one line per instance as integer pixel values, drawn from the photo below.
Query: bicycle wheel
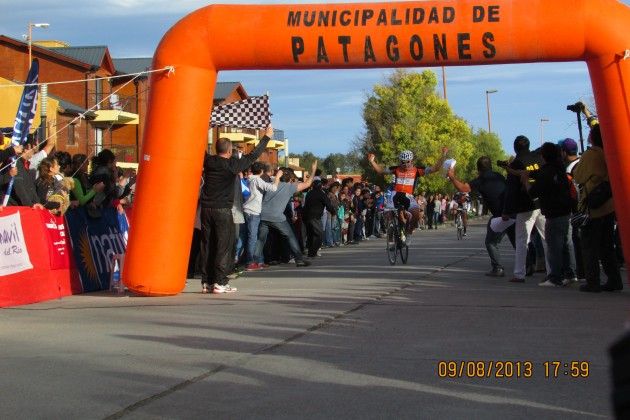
(390, 243)
(460, 227)
(404, 253)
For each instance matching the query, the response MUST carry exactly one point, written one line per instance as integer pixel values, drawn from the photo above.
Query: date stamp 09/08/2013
(512, 369)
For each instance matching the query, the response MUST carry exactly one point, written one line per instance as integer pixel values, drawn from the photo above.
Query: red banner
(40, 282)
(58, 248)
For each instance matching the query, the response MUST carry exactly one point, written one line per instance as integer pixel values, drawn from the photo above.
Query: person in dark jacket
(217, 198)
(519, 203)
(552, 189)
(9, 152)
(23, 191)
(103, 171)
(491, 186)
(314, 204)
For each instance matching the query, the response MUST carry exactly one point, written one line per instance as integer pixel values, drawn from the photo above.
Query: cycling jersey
(406, 179)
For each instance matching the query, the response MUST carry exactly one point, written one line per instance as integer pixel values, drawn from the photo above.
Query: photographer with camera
(598, 235)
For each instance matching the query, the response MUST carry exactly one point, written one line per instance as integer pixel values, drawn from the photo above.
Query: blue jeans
(493, 239)
(328, 232)
(252, 221)
(285, 230)
(560, 255)
(376, 228)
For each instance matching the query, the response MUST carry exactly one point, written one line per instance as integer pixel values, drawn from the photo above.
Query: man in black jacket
(518, 202)
(491, 186)
(314, 204)
(552, 188)
(217, 198)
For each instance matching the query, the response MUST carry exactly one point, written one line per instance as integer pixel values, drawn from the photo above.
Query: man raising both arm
(406, 178)
(217, 198)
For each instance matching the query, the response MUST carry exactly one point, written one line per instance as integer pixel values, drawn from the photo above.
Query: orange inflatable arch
(336, 36)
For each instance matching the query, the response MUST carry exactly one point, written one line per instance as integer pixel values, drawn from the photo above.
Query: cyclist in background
(406, 179)
(461, 203)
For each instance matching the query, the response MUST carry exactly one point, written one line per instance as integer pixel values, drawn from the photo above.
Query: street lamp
(30, 37)
(542, 121)
(488, 92)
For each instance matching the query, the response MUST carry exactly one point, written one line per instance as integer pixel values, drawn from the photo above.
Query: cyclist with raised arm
(406, 179)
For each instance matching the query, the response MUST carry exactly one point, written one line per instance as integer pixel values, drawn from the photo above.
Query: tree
(406, 113)
(483, 144)
(307, 159)
(346, 163)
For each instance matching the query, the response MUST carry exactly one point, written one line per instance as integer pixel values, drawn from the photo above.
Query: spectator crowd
(38, 176)
(251, 215)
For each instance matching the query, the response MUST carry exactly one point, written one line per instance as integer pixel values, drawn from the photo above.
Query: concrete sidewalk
(349, 337)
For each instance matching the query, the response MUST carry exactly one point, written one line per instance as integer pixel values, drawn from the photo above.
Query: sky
(320, 110)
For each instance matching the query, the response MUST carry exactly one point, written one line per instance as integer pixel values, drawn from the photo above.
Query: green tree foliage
(406, 113)
(484, 144)
(346, 163)
(307, 159)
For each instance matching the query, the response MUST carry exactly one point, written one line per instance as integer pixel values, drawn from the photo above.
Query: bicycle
(459, 224)
(394, 243)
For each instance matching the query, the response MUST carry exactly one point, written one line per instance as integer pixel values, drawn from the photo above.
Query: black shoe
(303, 263)
(496, 272)
(516, 280)
(529, 270)
(588, 288)
(607, 287)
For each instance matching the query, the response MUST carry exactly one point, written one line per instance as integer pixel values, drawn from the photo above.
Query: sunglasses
(405, 162)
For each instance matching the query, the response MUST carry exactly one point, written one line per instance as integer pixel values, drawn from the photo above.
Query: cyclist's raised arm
(375, 165)
(440, 162)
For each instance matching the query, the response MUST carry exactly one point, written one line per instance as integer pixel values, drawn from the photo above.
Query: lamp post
(30, 37)
(542, 121)
(444, 83)
(488, 92)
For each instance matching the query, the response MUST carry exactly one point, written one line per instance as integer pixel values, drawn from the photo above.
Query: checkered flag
(252, 112)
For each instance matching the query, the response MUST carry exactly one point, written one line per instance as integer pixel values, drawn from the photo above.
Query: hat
(569, 146)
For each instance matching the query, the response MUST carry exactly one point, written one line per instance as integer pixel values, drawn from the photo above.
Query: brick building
(100, 102)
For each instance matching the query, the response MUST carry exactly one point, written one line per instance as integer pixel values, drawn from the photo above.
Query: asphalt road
(351, 337)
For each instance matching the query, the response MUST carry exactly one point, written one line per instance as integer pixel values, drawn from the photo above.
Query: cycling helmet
(406, 156)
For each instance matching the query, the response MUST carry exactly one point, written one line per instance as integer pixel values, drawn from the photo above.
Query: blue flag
(28, 106)
(25, 116)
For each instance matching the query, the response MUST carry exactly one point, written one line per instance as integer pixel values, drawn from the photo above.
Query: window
(71, 135)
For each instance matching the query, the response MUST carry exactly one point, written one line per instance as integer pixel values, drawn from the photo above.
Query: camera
(503, 163)
(576, 107)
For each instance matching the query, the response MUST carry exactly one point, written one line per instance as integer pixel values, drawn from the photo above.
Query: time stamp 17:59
(512, 369)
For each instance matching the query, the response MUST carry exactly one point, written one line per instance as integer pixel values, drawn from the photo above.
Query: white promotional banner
(13, 253)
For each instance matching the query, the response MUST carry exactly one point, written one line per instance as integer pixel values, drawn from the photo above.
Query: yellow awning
(238, 137)
(273, 144)
(115, 116)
